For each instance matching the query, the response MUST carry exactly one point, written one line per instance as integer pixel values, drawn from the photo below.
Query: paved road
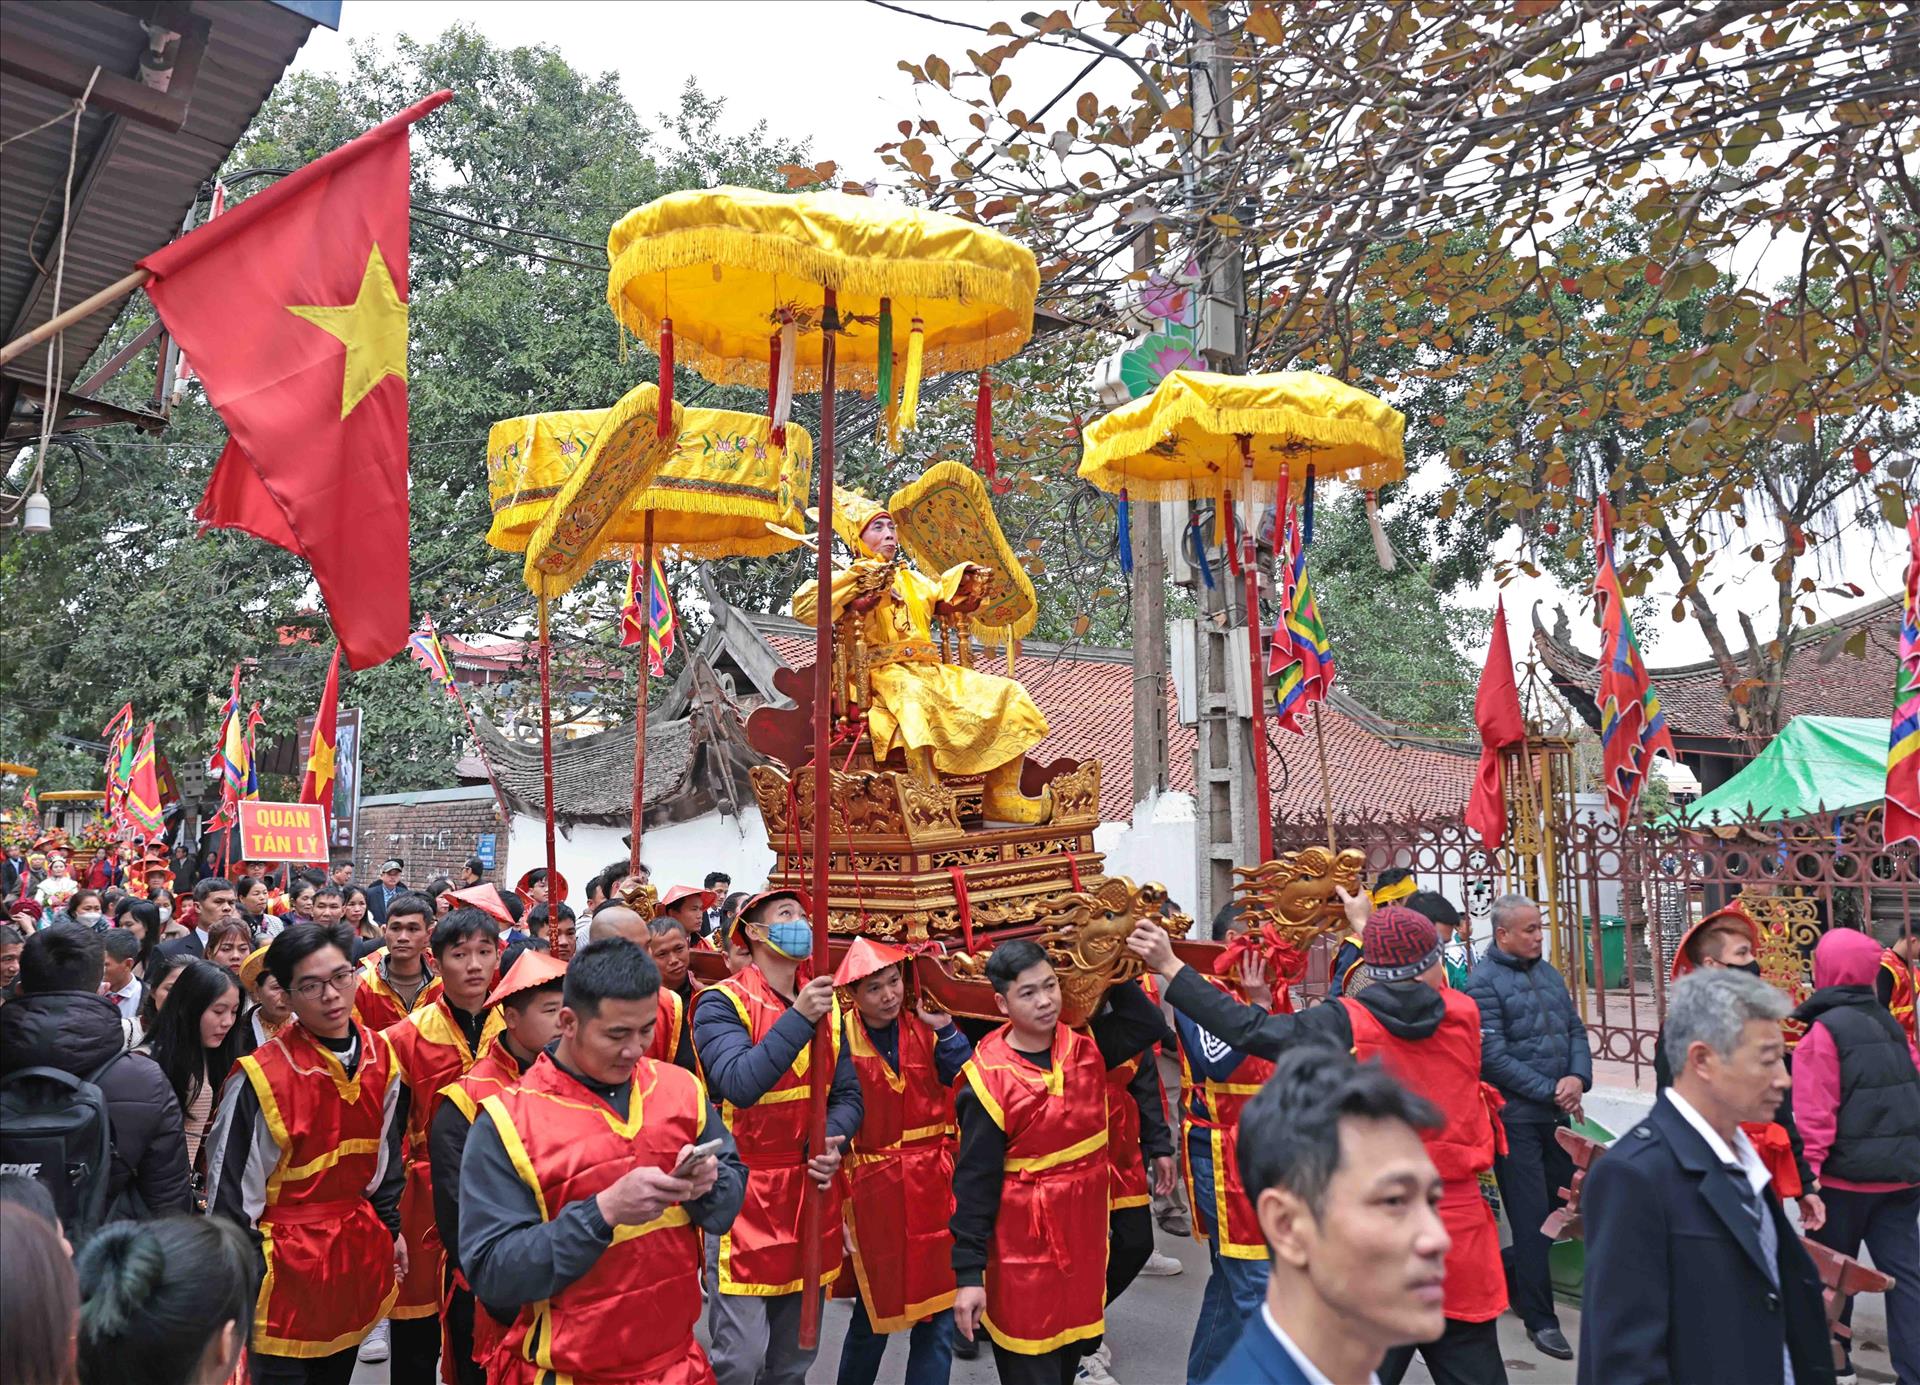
(1149, 1329)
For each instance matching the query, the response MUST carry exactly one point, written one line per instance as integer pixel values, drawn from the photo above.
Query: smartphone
(694, 1156)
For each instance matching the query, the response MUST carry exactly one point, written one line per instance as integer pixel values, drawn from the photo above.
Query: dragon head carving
(1085, 937)
(1295, 892)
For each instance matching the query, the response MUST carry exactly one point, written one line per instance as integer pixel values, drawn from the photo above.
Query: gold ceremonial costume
(972, 722)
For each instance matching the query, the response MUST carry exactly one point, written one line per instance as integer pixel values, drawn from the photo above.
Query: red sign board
(283, 832)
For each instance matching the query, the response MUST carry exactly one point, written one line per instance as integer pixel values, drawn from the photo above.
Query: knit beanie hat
(1398, 944)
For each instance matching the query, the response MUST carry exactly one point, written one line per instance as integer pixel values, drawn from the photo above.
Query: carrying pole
(546, 739)
(642, 676)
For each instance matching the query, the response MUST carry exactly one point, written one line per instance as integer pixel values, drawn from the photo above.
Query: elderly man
(1693, 1271)
(1533, 1048)
(386, 889)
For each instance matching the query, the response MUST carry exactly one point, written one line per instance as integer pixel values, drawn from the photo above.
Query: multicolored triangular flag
(1632, 726)
(1301, 655)
(144, 810)
(425, 647)
(1900, 821)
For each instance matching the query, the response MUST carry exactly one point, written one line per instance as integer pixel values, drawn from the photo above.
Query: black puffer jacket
(77, 1032)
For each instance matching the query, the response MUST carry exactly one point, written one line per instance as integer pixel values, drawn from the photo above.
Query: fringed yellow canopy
(1184, 438)
(730, 265)
(945, 517)
(712, 499)
(625, 456)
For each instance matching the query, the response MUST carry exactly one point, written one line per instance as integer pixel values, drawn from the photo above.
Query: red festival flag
(633, 611)
(1632, 726)
(661, 622)
(317, 786)
(293, 307)
(144, 810)
(1496, 711)
(1901, 816)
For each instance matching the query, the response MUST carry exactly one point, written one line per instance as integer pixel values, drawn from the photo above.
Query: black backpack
(55, 1127)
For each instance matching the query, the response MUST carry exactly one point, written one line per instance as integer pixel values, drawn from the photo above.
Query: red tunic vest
(1445, 1068)
(1127, 1171)
(1046, 1276)
(669, 1027)
(429, 1051)
(376, 1004)
(492, 1073)
(1218, 1115)
(631, 1317)
(329, 1261)
(760, 1253)
(899, 1177)
(1901, 1001)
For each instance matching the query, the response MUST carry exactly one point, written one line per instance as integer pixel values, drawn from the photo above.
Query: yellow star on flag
(320, 764)
(373, 328)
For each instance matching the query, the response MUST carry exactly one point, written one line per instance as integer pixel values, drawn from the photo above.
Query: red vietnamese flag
(317, 786)
(293, 308)
(1496, 711)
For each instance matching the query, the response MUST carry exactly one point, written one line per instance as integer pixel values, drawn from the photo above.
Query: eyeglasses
(343, 981)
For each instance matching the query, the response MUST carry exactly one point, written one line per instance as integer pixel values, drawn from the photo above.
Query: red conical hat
(556, 888)
(1719, 918)
(681, 892)
(866, 957)
(529, 970)
(486, 898)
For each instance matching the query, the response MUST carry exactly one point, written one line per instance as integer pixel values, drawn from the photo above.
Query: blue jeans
(929, 1350)
(1235, 1288)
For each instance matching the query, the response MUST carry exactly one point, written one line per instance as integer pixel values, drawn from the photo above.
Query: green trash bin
(1609, 939)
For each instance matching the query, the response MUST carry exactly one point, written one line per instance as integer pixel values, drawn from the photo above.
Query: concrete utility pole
(1149, 611)
(1227, 801)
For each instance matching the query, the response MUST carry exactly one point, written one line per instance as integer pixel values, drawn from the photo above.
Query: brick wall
(434, 836)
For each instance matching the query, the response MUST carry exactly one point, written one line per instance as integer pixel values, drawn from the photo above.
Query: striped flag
(229, 765)
(120, 749)
(1632, 726)
(1301, 655)
(143, 807)
(424, 645)
(654, 622)
(30, 805)
(251, 789)
(1901, 817)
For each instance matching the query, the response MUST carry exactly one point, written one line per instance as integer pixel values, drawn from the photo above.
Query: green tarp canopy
(1814, 767)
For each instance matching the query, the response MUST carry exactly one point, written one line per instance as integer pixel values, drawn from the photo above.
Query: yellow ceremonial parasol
(1201, 434)
(759, 287)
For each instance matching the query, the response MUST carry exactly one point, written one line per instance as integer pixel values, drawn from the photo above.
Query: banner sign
(283, 832)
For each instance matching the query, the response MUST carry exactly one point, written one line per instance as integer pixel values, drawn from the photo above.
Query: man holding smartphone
(581, 1188)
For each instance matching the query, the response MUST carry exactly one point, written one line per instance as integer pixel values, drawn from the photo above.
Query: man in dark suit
(386, 889)
(1348, 1203)
(1693, 1271)
(214, 901)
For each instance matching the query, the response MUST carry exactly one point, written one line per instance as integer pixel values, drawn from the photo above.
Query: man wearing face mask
(753, 1033)
(1727, 938)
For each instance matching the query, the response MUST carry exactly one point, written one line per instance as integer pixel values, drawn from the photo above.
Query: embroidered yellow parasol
(1252, 438)
(807, 288)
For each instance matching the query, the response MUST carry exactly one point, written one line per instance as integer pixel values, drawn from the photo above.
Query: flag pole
(1250, 567)
(820, 1067)
(642, 676)
(1326, 785)
(546, 739)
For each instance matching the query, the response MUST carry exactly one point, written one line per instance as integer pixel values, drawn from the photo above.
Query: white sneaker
(1094, 1368)
(374, 1349)
(1160, 1266)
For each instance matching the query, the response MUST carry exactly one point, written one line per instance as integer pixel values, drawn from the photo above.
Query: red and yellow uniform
(631, 1317)
(329, 1261)
(1213, 1108)
(899, 1178)
(491, 1074)
(669, 1030)
(1127, 1171)
(1046, 1275)
(429, 1051)
(760, 1253)
(1445, 1068)
(376, 1004)
(1900, 1000)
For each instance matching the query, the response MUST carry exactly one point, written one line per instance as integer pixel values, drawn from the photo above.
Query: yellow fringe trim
(1374, 457)
(910, 392)
(596, 495)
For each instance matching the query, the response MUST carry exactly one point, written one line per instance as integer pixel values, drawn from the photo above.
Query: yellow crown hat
(852, 512)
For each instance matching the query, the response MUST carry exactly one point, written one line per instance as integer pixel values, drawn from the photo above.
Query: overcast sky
(826, 70)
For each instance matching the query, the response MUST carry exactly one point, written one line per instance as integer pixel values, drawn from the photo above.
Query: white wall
(1156, 845)
(680, 854)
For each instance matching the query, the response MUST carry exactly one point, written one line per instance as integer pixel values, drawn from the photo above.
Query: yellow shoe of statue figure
(1002, 801)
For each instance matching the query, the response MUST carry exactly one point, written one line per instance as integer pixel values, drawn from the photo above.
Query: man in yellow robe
(948, 720)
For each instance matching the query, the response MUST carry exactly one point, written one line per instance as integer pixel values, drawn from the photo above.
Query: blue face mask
(792, 939)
